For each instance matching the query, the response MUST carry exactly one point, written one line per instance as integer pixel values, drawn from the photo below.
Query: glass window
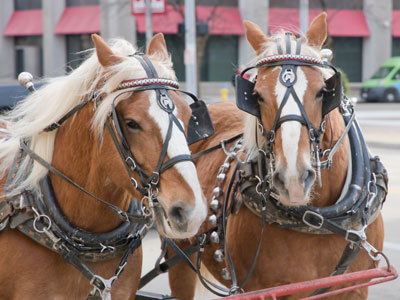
(82, 2)
(27, 4)
(220, 58)
(76, 46)
(395, 46)
(382, 72)
(29, 55)
(396, 75)
(347, 55)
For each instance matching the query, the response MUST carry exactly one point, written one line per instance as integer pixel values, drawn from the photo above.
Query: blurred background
(45, 37)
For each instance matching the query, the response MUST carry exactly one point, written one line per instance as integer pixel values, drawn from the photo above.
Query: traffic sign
(138, 7)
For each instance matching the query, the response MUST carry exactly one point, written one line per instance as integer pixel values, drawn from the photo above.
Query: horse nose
(279, 180)
(178, 215)
(308, 178)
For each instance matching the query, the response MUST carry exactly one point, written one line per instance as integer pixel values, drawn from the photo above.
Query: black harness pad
(200, 124)
(245, 98)
(332, 94)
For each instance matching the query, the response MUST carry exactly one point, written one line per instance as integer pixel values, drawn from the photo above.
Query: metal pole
(303, 16)
(190, 56)
(149, 28)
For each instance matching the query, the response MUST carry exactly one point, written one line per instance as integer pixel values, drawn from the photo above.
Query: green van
(384, 85)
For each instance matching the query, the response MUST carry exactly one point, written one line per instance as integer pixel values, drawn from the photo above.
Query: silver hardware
(309, 212)
(213, 220)
(372, 252)
(106, 292)
(326, 55)
(221, 177)
(225, 167)
(214, 237)
(218, 192)
(106, 247)
(214, 205)
(219, 255)
(225, 274)
(25, 79)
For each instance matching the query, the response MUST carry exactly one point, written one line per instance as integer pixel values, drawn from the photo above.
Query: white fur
(57, 97)
(177, 145)
(291, 130)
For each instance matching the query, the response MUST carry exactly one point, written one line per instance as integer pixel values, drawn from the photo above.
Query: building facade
(48, 38)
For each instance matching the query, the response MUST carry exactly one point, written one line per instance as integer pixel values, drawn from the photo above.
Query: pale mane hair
(59, 95)
(253, 138)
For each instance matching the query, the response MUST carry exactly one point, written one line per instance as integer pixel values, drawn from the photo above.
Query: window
(396, 75)
(29, 55)
(348, 56)
(81, 2)
(395, 46)
(75, 45)
(27, 4)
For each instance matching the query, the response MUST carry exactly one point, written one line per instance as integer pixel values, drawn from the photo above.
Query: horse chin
(287, 201)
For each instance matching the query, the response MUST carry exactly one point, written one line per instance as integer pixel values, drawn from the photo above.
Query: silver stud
(218, 192)
(213, 220)
(225, 274)
(219, 255)
(225, 166)
(221, 177)
(214, 237)
(214, 205)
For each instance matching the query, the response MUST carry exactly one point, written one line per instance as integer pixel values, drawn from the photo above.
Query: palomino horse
(109, 132)
(273, 204)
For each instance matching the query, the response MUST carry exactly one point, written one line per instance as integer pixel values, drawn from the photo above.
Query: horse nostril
(278, 180)
(178, 215)
(308, 178)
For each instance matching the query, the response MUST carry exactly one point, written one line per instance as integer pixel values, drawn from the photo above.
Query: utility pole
(190, 56)
(303, 16)
(149, 27)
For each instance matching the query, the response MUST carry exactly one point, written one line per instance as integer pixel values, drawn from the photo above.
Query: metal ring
(37, 218)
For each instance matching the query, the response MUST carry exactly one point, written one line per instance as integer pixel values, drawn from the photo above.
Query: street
(380, 123)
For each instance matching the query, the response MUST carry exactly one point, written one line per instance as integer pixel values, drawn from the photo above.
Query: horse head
(152, 124)
(289, 90)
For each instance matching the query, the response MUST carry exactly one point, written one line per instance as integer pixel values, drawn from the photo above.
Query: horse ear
(157, 45)
(104, 53)
(318, 31)
(255, 36)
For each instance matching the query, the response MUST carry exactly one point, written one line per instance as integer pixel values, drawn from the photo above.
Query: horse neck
(76, 154)
(333, 178)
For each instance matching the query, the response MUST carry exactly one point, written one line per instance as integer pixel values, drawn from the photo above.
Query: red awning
(222, 20)
(396, 23)
(350, 23)
(25, 22)
(79, 19)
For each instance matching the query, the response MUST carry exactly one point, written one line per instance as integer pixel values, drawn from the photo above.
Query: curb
(392, 146)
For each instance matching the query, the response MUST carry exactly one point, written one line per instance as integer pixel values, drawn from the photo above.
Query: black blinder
(200, 124)
(245, 98)
(332, 94)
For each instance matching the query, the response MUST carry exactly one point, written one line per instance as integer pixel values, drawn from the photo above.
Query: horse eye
(319, 94)
(131, 124)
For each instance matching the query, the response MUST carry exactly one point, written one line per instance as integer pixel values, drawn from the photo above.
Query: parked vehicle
(11, 94)
(384, 85)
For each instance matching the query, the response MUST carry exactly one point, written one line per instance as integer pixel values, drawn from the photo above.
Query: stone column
(117, 20)
(7, 55)
(54, 45)
(376, 47)
(257, 12)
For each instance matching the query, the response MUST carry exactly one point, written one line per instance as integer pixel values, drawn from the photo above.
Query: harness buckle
(155, 178)
(310, 216)
(129, 160)
(356, 236)
(102, 286)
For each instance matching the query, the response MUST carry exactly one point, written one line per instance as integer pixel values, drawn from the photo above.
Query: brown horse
(95, 152)
(286, 255)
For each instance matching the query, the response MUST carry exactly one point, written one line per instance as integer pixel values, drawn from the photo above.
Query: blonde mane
(53, 100)
(253, 138)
